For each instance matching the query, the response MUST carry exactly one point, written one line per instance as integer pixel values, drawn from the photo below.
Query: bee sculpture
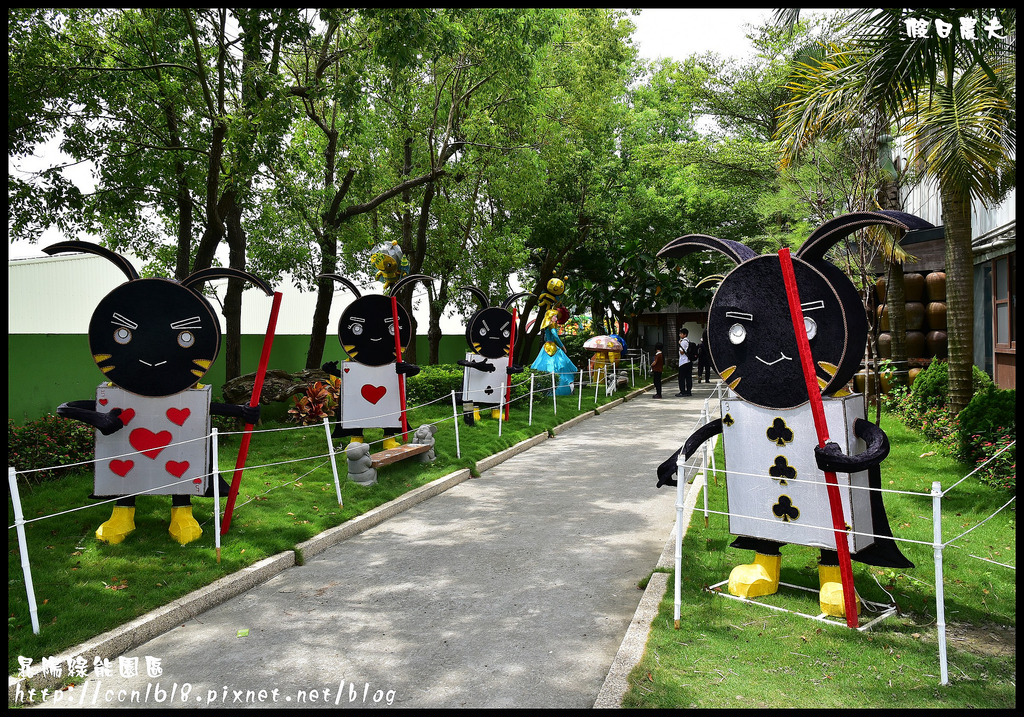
(489, 365)
(775, 480)
(371, 394)
(153, 340)
(552, 294)
(391, 264)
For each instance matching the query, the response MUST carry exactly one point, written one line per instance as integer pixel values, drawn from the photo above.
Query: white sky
(660, 32)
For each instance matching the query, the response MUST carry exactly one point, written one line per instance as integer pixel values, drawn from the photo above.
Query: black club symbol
(779, 432)
(782, 471)
(785, 509)
(728, 420)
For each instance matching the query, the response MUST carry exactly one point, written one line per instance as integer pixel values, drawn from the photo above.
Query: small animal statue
(153, 339)
(489, 366)
(360, 464)
(775, 479)
(371, 393)
(424, 435)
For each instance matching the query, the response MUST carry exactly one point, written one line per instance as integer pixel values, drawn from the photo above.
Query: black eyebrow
(739, 315)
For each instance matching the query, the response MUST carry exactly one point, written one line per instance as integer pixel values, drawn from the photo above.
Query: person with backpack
(685, 363)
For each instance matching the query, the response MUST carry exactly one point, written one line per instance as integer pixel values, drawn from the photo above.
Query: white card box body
(776, 490)
(369, 396)
(163, 448)
(486, 387)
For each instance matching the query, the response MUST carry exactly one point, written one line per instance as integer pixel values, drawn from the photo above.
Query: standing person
(657, 366)
(685, 365)
(703, 361)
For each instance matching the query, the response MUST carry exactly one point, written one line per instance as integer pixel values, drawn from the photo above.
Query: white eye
(506, 333)
(811, 327)
(483, 332)
(122, 335)
(186, 339)
(391, 329)
(737, 333)
(356, 329)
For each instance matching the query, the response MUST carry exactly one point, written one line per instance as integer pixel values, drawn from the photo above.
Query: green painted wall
(45, 370)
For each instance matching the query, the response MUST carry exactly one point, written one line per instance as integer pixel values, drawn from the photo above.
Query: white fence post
(531, 399)
(455, 413)
(215, 477)
(940, 605)
(19, 524)
(334, 460)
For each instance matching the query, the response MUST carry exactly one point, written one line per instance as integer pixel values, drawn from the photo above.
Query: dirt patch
(990, 640)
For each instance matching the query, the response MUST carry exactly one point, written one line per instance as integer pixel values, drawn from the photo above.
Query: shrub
(986, 425)
(49, 441)
(318, 402)
(432, 383)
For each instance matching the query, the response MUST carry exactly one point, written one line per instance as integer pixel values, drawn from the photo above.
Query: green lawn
(728, 653)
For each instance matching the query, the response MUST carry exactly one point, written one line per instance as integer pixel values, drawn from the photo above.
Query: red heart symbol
(176, 469)
(347, 369)
(127, 415)
(142, 439)
(121, 467)
(373, 393)
(103, 401)
(178, 416)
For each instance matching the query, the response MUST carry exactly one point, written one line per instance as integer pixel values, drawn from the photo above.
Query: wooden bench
(393, 455)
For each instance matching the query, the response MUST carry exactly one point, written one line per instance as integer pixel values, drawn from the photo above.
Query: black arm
(832, 459)
(249, 414)
(667, 470)
(85, 411)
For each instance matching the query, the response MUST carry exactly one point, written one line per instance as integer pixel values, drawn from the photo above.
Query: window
(1004, 301)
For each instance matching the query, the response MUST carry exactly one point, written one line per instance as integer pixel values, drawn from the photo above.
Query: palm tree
(952, 99)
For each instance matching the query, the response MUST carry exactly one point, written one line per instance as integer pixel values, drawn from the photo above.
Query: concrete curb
(616, 684)
(501, 457)
(319, 543)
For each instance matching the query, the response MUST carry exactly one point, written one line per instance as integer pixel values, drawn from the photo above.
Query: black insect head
(489, 330)
(750, 331)
(366, 329)
(154, 337)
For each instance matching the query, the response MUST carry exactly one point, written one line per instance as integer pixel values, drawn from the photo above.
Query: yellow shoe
(390, 443)
(184, 528)
(495, 413)
(355, 439)
(755, 579)
(476, 414)
(116, 529)
(830, 596)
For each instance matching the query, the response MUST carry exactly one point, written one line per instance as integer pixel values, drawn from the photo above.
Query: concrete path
(512, 590)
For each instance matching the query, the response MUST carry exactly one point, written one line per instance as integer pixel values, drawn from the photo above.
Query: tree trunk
(324, 296)
(956, 216)
(233, 297)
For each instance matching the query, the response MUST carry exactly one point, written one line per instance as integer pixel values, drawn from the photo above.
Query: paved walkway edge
(616, 684)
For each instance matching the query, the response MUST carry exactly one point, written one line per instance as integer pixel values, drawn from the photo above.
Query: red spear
(257, 389)
(818, 412)
(511, 354)
(398, 359)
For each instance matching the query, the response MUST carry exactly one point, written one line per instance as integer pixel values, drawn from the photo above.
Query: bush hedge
(49, 441)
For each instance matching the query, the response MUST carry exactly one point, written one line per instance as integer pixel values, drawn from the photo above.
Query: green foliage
(986, 426)
(931, 387)
(49, 441)
(433, 383)
(318, 403)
